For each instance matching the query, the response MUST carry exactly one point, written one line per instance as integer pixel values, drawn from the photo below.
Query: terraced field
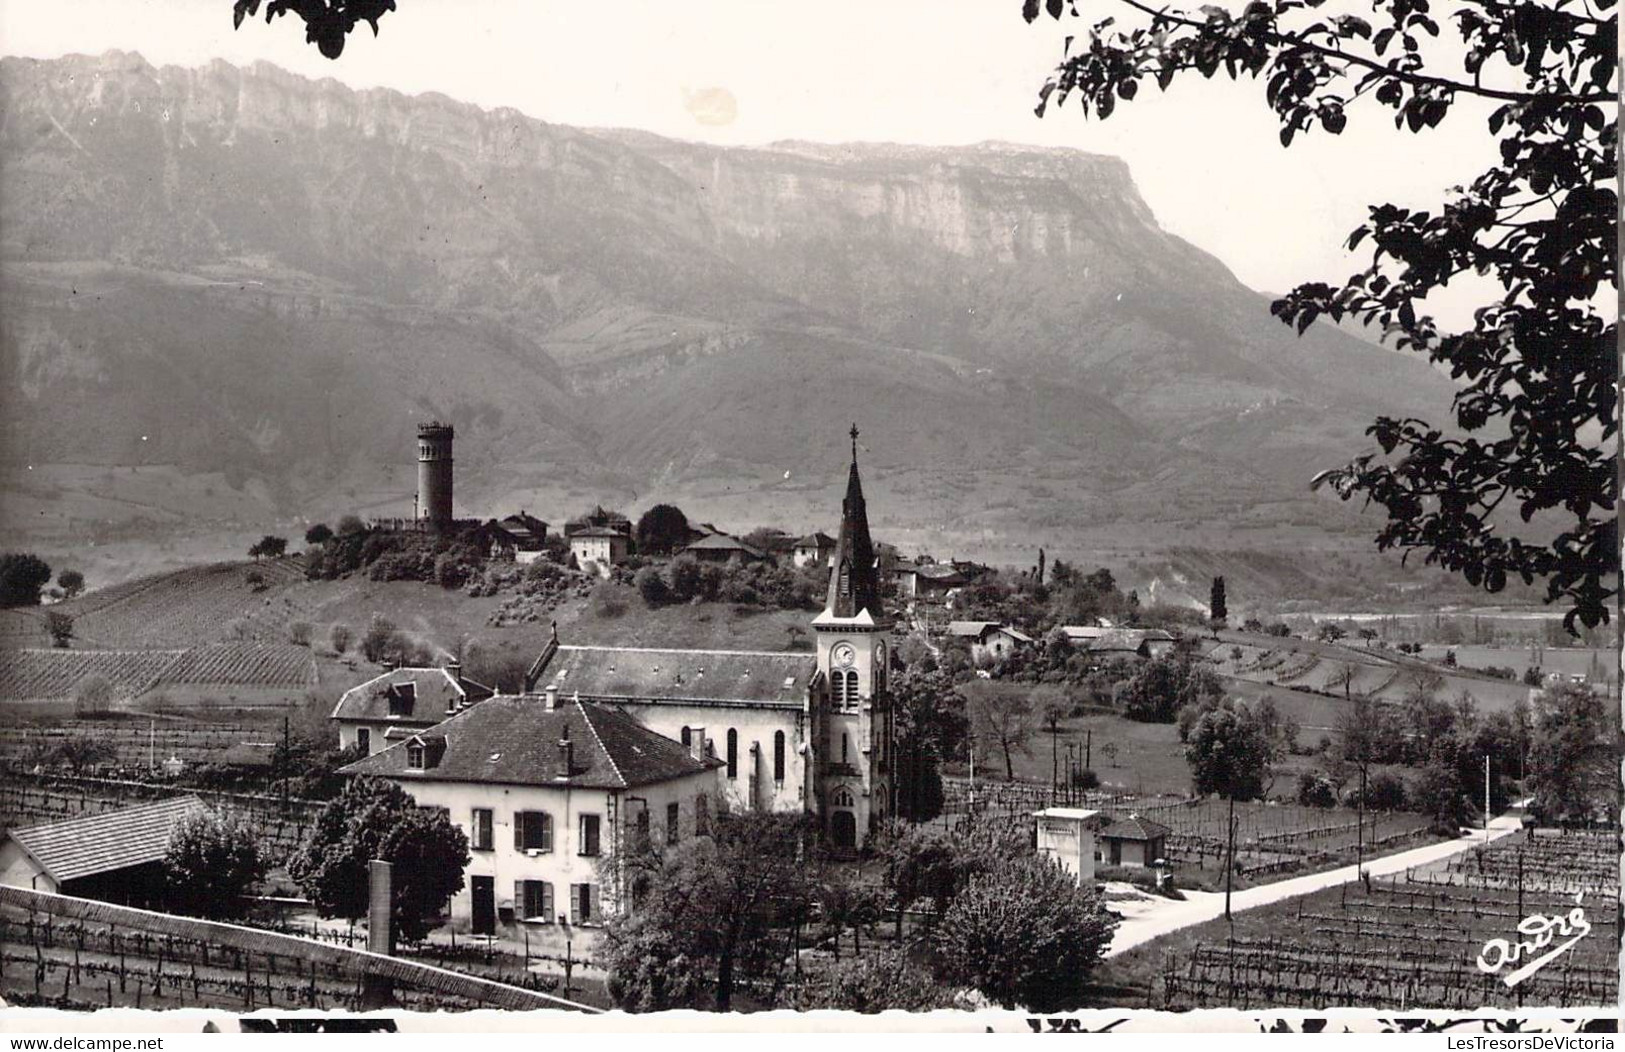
(242, 665)
(187, 607)
(47, 674)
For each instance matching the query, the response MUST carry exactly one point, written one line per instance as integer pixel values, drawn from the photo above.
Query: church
(808, 732)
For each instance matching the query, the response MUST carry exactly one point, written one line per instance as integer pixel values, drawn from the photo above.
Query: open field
(1407, 942)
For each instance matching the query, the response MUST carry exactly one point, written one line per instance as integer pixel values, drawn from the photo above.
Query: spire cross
(854, 433)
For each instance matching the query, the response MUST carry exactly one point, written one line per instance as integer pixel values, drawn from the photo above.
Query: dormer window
(402, 696)
(415, 756)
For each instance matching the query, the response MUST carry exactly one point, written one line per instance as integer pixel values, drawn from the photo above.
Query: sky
(1205, 156)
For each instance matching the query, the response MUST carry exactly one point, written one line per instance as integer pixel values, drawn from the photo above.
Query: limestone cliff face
(244, 271)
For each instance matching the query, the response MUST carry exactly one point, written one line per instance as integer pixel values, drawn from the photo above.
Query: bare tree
(1006, 723)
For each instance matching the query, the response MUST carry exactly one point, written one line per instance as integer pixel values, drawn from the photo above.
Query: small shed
(1134, 842)
(721, 548)
(112, 857)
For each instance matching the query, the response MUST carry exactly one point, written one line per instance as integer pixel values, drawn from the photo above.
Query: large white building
(551, 793)
(808, 732)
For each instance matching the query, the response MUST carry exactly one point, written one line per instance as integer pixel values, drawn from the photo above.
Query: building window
(733, 753)
(534, 900)
(483, 838)
(846, 580)
(584, 903)
(688, 737)
(702, 815)
(532, 831)
(414, 756)
(843, 798)
(588, 844)
(640, 832)
(778, 756)
(363, 741)
(401, 698)
(674, 815)
(846, 743)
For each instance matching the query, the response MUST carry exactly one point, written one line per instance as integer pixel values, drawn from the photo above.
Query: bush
(60, 627)
(1316, 791)
(299, 633)
(340, 636)
(1384, 792)
(1025, 934)
(380, 634)
(609, 602)
(651, 585)
(22, 577)
(212, 862)
(93, 697)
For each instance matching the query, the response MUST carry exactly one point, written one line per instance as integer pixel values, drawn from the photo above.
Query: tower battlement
(435, 473)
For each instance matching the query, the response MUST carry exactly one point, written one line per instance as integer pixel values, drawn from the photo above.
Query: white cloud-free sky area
(1206, 155)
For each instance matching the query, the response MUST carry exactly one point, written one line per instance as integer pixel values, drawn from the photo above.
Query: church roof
(514, 740)
(616, 673)
(854, 586)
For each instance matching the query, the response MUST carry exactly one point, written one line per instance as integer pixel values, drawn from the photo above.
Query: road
(1145, 919)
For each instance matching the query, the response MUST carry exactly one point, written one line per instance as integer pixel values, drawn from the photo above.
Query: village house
(112, 857)
(552, 794)
(520, 537)
(989, 641)
(1131, 643)
(1134, 842)
(815, 549)
(603, 546)
(927, 581)
(389, 707)
(721, 548)
(795, 732)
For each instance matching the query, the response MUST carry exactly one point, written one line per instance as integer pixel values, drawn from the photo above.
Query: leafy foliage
(327, 22)
(22, 576)
(1570, 769)
(72, 582)
(372, 819)
(1229, 752)
(1539, 360)
(60, 627)
(211, 863)
(878, 982)
(1164, 685)
(1025, 934)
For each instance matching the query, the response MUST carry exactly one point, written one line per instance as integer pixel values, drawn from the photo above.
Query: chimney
(552, 696)
(696, 743)
(455, 669)
(567, 753)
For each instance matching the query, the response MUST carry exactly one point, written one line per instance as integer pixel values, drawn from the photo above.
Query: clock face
(844, 654)
(880, 654)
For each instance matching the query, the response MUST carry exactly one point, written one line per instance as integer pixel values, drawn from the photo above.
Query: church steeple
(854, 582)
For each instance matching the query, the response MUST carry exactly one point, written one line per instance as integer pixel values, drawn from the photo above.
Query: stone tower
(852, 734)
(434, 474)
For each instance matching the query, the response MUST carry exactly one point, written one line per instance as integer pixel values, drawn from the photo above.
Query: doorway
(484, 890)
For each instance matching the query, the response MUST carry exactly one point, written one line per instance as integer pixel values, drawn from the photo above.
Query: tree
(930, 727)
(651, 585)
(320, 533)
(299, 633)
(1217, 611)
(211, 863)
(350, 526)
(1571, 774)
(715, 910)
(327, 22)
(877, 982)
(372, 819)
(60, 626)
(380, 638)
(1006, 723)
(1164, 685)
(1109, 750)
(340, 636)
(1025, 934)
(1539, 359)
(93, 696)
(72, 582)
(1344, 673)
(22, 577)
(268, 547)
(82, 752)
(1229, 753)
(921, 863)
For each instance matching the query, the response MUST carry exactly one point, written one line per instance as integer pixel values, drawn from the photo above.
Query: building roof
(721, 542)
(615, 673)
(1083, 633)
(971, 629)
(84, 847)
(1128, 639)
(816, 540)
(515, 740)
(854, 586)
(435, 693)
(1074, 813)
(1134, 828)
(598, 531)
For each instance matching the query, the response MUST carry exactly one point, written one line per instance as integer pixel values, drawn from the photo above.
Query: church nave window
(778, 756)
(733, 753)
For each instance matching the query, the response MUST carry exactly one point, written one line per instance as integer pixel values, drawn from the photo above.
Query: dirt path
(1146, 919)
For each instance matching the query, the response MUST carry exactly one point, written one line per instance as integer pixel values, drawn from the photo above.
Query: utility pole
(285, 747)
(1486, 799)
(1088, 748)
(1230, 857)
(152, 743)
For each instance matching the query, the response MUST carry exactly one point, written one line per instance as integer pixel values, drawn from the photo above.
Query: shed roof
(87, 846)
(971, 629)
(721, 542)
(617, 673)
(514, 740)
(1134, 828)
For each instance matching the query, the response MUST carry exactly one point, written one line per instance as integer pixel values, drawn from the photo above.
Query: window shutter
(547, 902)
(519, 905)
(519, 830)
(586, 902)
(547, 831)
